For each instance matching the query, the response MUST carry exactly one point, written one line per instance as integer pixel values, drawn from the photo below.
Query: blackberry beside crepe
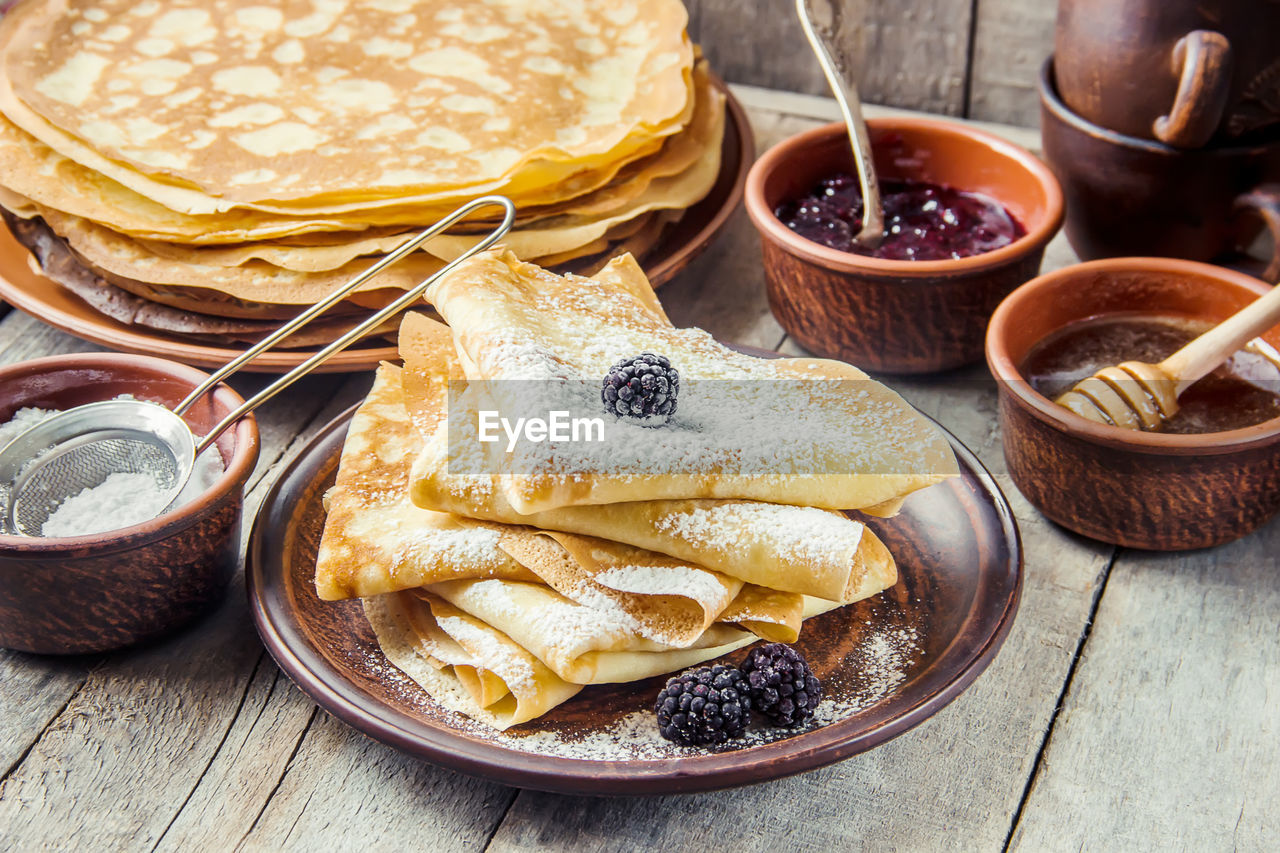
(704, 707)
(783, 688)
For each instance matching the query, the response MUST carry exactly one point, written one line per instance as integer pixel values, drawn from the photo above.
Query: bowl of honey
(967, 217)
(1209, 475)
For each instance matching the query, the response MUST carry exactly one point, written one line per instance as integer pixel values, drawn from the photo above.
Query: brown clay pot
(1130, 196)
(1140, 489)
(899, 316)
(115, 589)
(1178, 72)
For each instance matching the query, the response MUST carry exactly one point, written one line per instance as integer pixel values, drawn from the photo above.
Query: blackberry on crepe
(642, 388)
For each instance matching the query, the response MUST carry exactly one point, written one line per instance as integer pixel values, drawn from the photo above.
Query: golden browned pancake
(299, 103)
(53, 259)
(236, 161)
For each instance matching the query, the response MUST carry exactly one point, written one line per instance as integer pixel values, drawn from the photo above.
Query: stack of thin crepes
(504, 592)
(203, 169)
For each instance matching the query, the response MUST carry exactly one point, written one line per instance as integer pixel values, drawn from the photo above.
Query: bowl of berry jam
(967, 218)
(1209, 475)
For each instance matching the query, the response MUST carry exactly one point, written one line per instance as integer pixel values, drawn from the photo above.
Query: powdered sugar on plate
(867, 676)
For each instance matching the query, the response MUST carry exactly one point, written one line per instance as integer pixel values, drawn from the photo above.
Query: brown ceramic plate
(58, 307)
(887, 663)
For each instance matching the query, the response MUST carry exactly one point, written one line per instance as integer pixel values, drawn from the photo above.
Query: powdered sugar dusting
(663, 580)
(767, 419)
(589, 594)
(803, 534)
(770, 428)
(571, 629)
(869, 675)
(490, 654)
(466, 546)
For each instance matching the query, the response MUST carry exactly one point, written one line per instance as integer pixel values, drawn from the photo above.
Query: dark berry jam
(922, 221)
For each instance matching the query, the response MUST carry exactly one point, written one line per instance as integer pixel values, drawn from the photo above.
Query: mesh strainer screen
(71, 468)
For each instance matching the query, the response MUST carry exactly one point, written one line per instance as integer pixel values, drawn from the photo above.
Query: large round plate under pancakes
(47, 301)
(960, 565)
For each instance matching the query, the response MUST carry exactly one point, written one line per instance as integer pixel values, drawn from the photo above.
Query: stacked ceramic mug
(1161, 118)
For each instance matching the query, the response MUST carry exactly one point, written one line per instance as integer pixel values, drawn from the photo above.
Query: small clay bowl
(1140, 489)
(899, 316)
(115, 589)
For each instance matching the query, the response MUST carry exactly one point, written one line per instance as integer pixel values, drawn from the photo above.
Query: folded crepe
(581, 644)
(503, 615)
(507, 652)
(801, 550)
(506, 620)
(455, 656)
(375, 540)
(807, 432)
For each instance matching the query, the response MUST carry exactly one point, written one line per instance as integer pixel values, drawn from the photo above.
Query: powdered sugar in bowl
(106, 590)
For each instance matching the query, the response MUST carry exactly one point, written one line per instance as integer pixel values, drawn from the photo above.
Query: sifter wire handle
(334, 298)
(350, 337)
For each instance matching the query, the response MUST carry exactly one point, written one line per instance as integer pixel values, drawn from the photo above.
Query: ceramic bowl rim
(236, 470)
(1051, 101)
(771, 227)
(1009, 378)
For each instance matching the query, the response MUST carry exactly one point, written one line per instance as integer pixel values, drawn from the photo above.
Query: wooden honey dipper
(1136, 395)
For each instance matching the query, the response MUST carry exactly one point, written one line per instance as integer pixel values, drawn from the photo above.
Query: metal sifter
(79, 448)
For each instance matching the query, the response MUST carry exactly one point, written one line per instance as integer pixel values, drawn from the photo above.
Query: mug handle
(1265, 201)
(1202, 59)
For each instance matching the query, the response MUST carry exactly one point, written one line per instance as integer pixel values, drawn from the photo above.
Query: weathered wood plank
(764, 47)
(118, 762)
(1167, 739)
(912, 55)
(1011, 40)
(241, 775)
(343, 791)
(23, 337)
(795, 106)
(1058, 254)
(35, 691)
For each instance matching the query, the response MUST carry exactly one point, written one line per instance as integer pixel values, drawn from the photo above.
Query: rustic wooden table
(1135, 705)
